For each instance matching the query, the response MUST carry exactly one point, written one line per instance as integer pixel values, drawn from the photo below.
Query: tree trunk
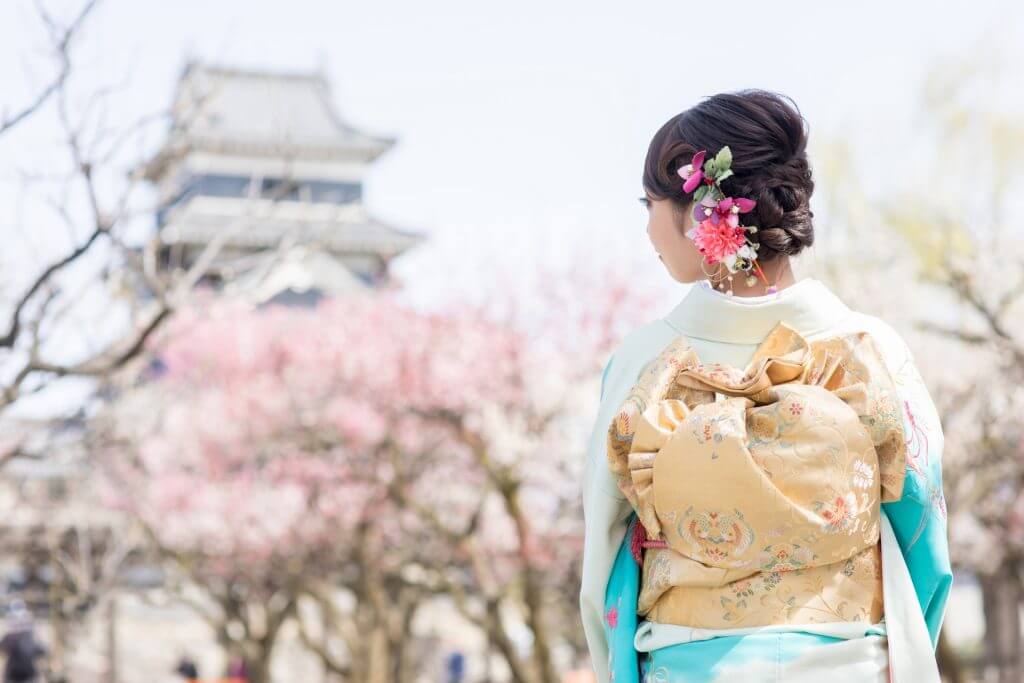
(949, 664)
(377, 641)
(59, 635)
(1001, 597)
(112, 672)
(258, 668)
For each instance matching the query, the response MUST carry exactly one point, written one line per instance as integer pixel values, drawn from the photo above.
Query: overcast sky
(522, 126)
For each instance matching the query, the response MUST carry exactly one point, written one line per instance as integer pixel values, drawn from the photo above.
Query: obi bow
(742, 474)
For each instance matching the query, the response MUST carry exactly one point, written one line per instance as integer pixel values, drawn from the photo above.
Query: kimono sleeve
(604, 511)
(919, 517)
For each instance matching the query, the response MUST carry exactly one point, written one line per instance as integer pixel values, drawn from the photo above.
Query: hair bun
(767, 136)
(783, 213)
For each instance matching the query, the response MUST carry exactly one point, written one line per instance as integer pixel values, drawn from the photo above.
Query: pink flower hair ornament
(717, 231)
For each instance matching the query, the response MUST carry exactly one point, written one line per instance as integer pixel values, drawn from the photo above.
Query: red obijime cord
(639, 541)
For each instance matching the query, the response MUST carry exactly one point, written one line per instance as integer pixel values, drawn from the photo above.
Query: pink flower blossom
(717, 242)
(692, 173)
(722, 210)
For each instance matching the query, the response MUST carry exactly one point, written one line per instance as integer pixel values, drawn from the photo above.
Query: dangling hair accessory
(717, 231)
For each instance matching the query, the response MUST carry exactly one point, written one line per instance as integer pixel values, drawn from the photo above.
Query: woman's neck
(778, 272)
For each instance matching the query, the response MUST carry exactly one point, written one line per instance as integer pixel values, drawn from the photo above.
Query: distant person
(237, 670)
(20, 647)
(187, 669)
(456, 667)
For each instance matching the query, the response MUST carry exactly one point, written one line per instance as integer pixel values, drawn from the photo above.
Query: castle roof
(231, 111)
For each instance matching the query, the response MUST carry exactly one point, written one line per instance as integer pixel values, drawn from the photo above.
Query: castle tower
(260, 164)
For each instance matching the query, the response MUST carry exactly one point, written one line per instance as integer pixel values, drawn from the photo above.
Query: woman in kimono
(763, 491)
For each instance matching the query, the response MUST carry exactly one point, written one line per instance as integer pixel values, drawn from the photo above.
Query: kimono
(915, 571)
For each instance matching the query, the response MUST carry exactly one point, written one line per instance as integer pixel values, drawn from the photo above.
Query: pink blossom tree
(278, 455)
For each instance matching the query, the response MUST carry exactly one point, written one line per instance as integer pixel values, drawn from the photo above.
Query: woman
(763, 491)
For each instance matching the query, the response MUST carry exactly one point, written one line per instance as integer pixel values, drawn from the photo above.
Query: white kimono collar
(807, 306)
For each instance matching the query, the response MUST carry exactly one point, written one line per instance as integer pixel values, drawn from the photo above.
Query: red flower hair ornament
(717, 231)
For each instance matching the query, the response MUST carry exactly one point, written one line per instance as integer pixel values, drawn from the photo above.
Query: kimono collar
(808, 306)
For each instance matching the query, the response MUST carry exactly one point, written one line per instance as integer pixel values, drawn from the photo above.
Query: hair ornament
(717, 231)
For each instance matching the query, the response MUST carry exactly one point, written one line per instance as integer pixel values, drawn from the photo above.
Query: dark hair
(768, 139)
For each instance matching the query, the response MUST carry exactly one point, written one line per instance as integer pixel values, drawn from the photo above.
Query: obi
(757, 490)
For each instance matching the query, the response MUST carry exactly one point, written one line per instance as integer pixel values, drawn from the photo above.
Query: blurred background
(303, 308)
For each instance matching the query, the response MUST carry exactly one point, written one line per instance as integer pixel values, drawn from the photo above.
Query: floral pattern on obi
(767, 502)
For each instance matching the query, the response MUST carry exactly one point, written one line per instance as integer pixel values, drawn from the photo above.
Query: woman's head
(768, 139)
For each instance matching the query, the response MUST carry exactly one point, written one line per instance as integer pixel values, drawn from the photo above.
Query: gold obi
(762, 485)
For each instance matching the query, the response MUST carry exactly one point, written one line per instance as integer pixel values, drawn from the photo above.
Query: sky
(522, 127)
(519, 121)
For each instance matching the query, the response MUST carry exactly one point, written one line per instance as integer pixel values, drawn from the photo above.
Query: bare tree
(74, 558)
(98, 202)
